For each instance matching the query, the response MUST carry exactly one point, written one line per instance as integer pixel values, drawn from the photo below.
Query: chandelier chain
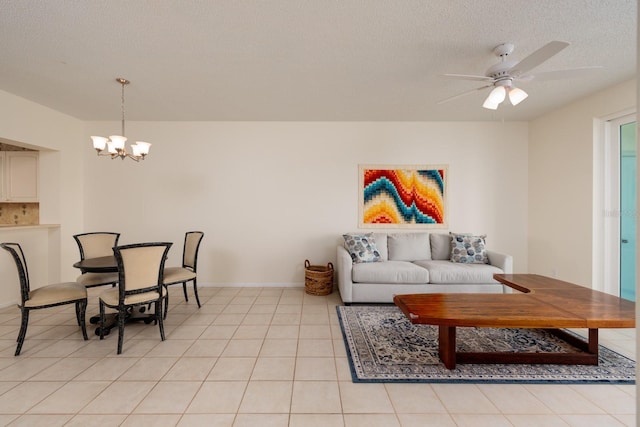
(122, 82)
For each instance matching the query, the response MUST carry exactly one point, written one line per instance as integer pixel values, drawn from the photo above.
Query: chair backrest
(140, 266)
(21, 263)
(97, 244)
(192, 241)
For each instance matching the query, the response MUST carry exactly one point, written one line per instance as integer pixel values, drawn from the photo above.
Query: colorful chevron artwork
(407, 196)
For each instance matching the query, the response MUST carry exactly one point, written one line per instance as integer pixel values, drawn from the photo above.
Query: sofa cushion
(361, 247)
(467, 248)
(389, 272)
(408, 246)
(381, 244)
(440, 246)
(452, 272)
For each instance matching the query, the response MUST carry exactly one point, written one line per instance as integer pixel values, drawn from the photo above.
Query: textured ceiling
(302, 59)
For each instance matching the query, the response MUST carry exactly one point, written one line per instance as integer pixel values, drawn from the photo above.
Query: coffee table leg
(593, 341)
(447, 346)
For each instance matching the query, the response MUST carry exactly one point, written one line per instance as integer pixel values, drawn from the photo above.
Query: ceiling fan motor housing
(504, 49)
(500, 71)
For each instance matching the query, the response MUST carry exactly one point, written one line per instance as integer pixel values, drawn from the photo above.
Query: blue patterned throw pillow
(468, 249)
(361, 247)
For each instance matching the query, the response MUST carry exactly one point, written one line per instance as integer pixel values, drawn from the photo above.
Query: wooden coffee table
(543, 303)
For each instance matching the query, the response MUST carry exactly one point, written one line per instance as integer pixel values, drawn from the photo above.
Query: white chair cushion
(91, 279)
(111, 296)
(56, 293)
(177, 275)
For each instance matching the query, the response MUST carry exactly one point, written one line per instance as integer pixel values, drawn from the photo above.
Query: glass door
(628, 210)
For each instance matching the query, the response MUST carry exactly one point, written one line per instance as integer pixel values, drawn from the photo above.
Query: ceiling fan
(503, 75)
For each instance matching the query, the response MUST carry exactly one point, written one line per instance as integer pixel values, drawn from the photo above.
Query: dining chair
(186, 273)
(45, 296)
(94, 245)
(140, 272)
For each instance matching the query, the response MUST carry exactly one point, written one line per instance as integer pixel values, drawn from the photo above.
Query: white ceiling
(302, 59)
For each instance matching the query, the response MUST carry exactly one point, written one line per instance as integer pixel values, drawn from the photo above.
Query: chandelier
(115, 144)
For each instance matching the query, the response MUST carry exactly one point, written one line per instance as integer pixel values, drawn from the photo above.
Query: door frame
(606, 201)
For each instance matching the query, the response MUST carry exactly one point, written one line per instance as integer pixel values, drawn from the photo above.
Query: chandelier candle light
(115, 144)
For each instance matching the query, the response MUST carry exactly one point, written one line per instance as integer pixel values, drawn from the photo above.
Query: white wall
(270, 194)
(561, 168)
(61, 182)
(267, 194)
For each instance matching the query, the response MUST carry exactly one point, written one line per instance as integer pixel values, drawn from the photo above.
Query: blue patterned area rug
(383, 346)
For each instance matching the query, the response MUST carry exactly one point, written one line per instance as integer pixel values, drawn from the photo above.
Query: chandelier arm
(122, 155)
(105, 153)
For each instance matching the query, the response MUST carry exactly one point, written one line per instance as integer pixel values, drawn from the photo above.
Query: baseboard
(251, 285)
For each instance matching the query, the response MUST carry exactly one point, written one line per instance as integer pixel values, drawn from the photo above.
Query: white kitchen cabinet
(19, 176)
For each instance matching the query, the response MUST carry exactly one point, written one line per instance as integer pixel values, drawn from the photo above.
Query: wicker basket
(318, 279)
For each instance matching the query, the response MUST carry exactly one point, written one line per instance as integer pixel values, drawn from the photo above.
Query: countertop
(13, 227)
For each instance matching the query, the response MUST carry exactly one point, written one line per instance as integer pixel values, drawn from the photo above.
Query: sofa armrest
(502, 261)
(344, 267)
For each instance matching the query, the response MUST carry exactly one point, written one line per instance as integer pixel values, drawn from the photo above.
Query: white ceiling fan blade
(560, 74)
(468, 77)
(538, 57)
(460, 95)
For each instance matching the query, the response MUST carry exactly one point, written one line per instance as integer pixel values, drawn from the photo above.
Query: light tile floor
(258, 357)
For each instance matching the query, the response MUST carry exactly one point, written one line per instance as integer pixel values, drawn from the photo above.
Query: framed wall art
(402, 196)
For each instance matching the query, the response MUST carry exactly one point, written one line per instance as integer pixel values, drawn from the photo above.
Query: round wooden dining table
(103, 264)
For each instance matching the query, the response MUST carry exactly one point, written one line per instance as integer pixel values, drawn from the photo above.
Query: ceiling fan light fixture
(517, 95)
(494, 99)
(489, 105)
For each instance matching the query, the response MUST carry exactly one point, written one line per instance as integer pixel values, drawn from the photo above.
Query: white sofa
(415, 263)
